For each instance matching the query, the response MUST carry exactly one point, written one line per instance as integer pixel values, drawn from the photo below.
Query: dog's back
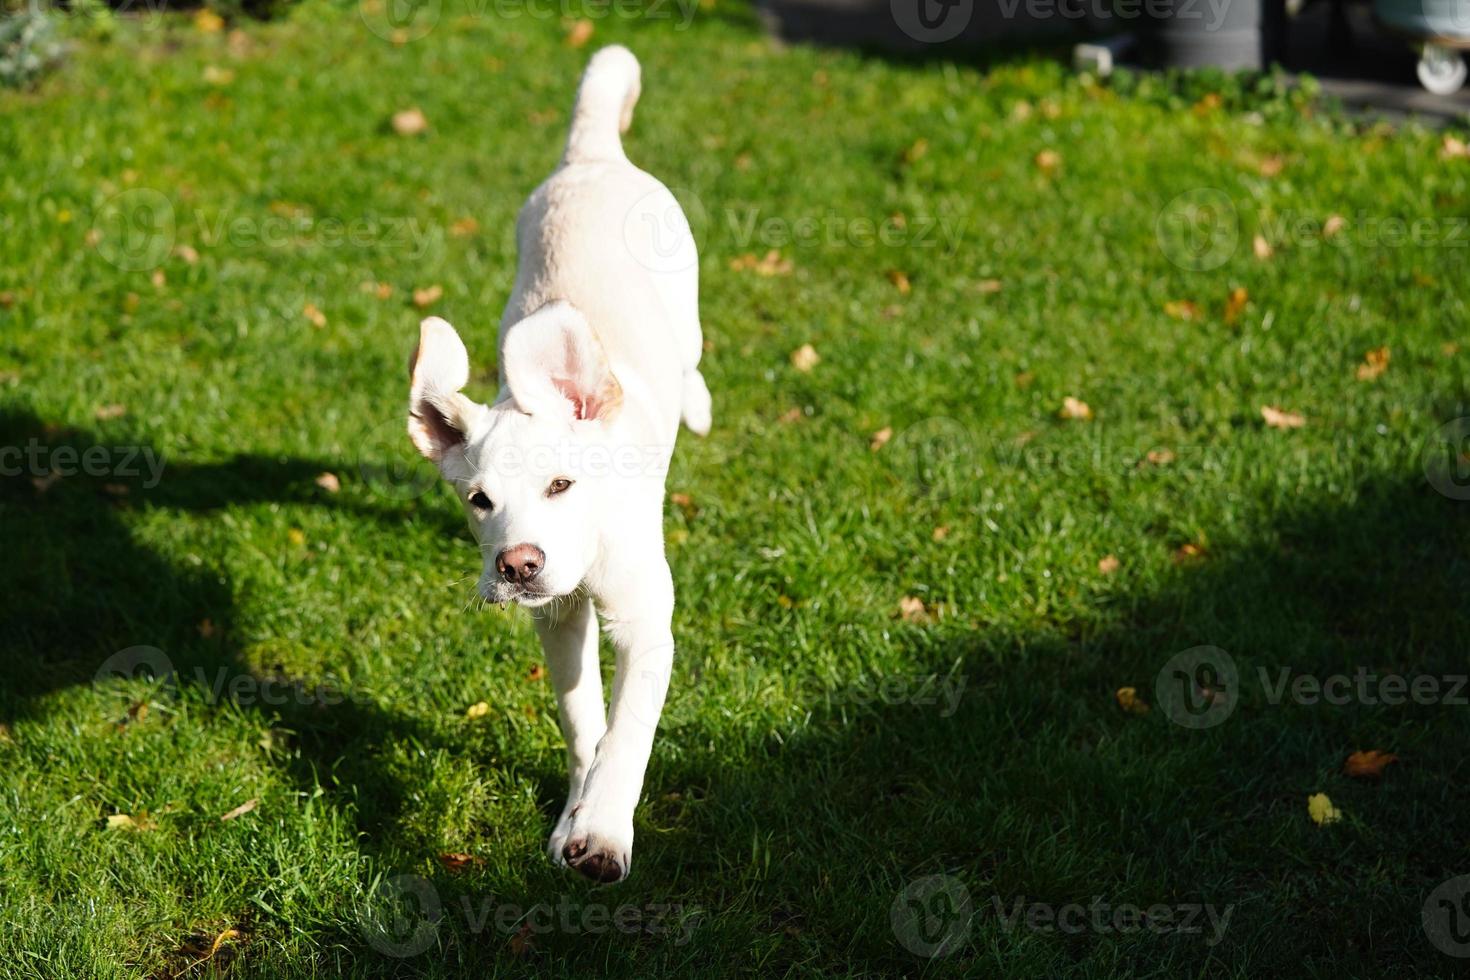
(613, 242)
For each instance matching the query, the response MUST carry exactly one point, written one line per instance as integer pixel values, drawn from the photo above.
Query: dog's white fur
(599, 354)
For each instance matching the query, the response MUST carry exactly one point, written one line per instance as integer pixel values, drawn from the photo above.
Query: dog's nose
(520, 565)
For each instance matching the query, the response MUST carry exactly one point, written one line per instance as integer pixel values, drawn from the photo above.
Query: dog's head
(525, 468)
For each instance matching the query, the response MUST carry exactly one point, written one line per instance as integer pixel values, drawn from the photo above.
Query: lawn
(910, 586)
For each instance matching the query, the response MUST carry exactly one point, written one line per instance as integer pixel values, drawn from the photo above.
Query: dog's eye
(559, 485)
(479, 501)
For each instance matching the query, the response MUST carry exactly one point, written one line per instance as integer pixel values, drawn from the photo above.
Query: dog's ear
(555, 367)
(439, 417)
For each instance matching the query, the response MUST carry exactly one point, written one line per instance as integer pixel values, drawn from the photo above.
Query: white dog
(563, 476)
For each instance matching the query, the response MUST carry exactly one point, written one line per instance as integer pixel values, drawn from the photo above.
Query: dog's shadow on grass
(1039, 784)
(82, 589)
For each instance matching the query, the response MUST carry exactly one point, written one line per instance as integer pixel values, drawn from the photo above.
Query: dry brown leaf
(793, 414)
(215, 75)
(1369, 764)
(911, 610)
(1334, 224)
(7, 300)
(941, 532)
(410, 122)
(1075, 408)
(93, 237)
(1188, 552)
(1278, 418)
(1108, 564)
(188, 254)
(989, 286)
(536, 673)
(477, 710)
(1130, 702)
(1182, 309)
(900, 281)
(314, 316)
(1206, 105)
(208, 22)
(45, 483)
(115, 489)
(1048, 161)
(916, 150)
(1453, 148)
(1261, 248)
(454, 863)
(1375, 362)
(428, 296)
(328, 482)
(464, 227)
(159, 278)
(1159, 457)
(523, 942)
(106, 413)
(207, 628)
(880, 438)
(1235, 303)
(770, 265)
(129, 821)
(805, 357)
(1272, 165)
(579, 33)
(241, 810)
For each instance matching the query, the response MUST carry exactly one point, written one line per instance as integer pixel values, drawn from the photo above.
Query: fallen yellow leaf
(805, 357)
(579, 33)
(1235, 302)
(1278, 418)
(900, 281)
(1321, 810)
(208, 21)
(880, 438)
(105, 413)
(1182, 309)
(428, 296)
(1334, 224)
(1047, 161)
(464, 227)
(1130, 702)
(240, 810)
(911, 610)
(477, 710)
(1375, 362)
(1075, 408)
(1261, 247)
(315, 316)
(410, 122)
(329, 482)
(1108, 564)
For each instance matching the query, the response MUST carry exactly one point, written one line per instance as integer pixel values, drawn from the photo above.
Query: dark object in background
(1229, 34)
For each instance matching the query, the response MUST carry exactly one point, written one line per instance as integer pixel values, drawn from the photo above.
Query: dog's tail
(604, 108)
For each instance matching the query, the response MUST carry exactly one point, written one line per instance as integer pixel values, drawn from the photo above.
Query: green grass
(784, 811)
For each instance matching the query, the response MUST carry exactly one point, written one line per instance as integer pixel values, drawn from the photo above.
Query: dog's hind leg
(570, 643)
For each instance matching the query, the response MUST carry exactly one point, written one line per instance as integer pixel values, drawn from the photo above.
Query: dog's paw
(598, 858)
(563, 830)
(697, 407)
(604, 855)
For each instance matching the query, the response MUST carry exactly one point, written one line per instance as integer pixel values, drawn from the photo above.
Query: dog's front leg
(639, 621)
(570, 643)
